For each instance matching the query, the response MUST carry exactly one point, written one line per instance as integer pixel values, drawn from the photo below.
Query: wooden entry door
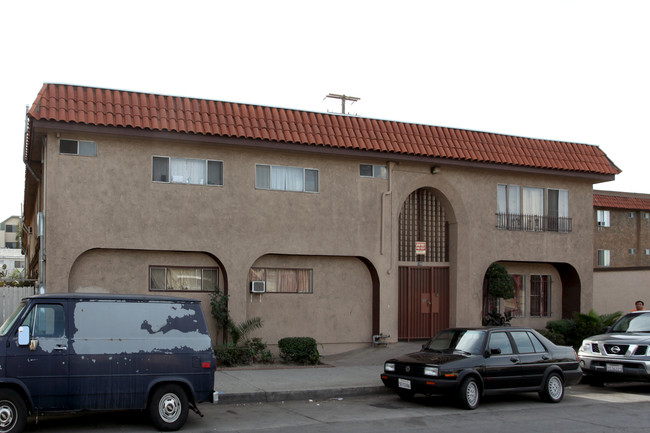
(423, 301)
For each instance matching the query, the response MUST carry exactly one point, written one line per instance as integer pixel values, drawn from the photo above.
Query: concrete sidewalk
(350, 373)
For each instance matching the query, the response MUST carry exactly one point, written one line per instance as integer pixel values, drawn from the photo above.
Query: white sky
(569, 70)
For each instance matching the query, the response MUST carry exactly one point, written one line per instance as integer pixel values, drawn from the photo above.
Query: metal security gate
(423, 301)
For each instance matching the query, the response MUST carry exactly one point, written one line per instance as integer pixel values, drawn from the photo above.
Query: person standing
(639, 306)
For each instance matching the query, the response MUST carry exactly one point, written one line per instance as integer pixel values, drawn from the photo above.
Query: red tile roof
(115, 108)
(621, 202)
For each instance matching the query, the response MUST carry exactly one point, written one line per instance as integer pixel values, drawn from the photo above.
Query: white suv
(621, 354)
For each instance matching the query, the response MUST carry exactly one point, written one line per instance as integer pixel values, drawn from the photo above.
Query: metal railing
(534, 223)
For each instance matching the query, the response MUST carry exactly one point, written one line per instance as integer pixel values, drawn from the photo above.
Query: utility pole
(343, 98)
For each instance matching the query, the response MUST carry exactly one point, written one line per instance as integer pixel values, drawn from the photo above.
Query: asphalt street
(619, 408)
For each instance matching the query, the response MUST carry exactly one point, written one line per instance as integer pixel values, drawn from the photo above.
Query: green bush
(302, 350)
(229, 355)
(259, 351)
(572, 331)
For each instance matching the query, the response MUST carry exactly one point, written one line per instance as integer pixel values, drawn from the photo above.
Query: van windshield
(11, 319)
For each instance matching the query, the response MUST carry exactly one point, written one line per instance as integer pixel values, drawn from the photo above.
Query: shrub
(258, 350)
(230, 355)
(572, 331)
(302, 350)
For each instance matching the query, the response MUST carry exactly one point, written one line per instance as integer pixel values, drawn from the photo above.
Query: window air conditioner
(258, 286)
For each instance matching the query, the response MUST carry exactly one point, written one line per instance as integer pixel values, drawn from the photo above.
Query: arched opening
(542, 291)
(423, 266)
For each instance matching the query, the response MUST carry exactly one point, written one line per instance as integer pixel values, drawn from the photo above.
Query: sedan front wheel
(469, 393)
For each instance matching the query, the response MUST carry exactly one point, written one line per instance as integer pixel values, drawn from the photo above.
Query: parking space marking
(614, 397)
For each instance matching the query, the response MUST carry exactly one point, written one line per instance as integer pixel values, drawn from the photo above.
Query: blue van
(70, 352)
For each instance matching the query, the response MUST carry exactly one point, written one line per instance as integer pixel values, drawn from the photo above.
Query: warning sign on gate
(420, 248)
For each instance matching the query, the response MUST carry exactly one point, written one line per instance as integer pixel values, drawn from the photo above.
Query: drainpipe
(385, 194)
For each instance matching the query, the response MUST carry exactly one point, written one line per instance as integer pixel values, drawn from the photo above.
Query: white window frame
(632, 251)
(273, 281)
(603, 218)
(604, 258)
(187, 179)
(82, 147)
(168, 270)
(270, 183)
(630, 215)
(376, 171)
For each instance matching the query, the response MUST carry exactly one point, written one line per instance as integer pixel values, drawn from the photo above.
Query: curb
(313, 394)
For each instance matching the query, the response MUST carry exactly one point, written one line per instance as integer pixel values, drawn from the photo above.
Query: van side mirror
(23, 336)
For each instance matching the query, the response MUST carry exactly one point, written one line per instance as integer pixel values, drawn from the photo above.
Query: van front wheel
(13, 412)
(168, 407)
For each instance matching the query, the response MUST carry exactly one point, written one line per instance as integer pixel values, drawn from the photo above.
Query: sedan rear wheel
(553, 389)
(469, 393)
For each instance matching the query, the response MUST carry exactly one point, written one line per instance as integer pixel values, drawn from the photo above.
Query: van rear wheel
(168, 407)
(13, 412)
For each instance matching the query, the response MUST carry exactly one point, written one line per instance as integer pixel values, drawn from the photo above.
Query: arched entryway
(423, 266)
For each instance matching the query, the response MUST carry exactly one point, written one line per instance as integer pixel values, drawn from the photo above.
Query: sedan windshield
(462, 340)
(633, 323)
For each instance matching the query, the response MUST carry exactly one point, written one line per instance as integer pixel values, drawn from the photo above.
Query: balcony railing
(534, 223)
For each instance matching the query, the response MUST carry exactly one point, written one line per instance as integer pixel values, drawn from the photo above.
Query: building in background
(621, 250)
(331, 226)
(10, 252)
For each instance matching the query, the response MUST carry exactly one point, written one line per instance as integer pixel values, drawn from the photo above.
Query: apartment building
(11, 257)
(330, 226)
(621, 250)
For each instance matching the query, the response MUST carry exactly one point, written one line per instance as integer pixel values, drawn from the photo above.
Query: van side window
(46, 320)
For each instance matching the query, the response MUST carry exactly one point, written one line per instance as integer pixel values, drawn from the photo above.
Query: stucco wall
(338, 314)
(618, 290)
(109, 202)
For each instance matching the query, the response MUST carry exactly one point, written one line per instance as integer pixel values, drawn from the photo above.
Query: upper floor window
(78, 147)
(647, 251)
(281, 178)
(646, 215)
(630, 215)
(632, 251)
(185, 279)
(602, 218)
(187, 170)
(533, 209)
(10, 228)
(603, 258)
(376, 171)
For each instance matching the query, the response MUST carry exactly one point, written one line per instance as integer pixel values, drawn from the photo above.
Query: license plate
(614, 368)
(403, 383)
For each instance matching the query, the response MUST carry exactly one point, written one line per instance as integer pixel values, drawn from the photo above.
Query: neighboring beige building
(353, 227)
(9, 233)
(621, 250)
(11, 257)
